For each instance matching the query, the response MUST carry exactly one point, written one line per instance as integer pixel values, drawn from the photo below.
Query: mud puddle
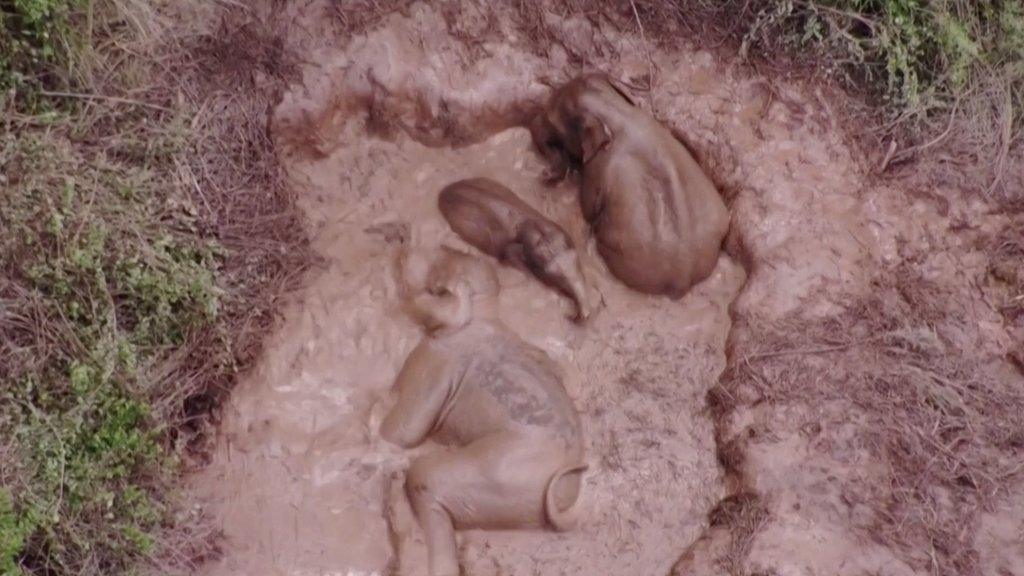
(300, 484)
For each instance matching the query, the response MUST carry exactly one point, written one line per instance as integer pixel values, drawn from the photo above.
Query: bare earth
(300, 483)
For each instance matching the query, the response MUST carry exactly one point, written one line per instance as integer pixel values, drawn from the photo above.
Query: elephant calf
(493, 219)
(515, 444)
(657, 217)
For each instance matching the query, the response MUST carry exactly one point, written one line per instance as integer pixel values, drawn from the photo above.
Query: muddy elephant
(515, 451)
(496, 221)
(658, 219)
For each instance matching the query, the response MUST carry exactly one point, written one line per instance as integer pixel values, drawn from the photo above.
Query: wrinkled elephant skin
(658, 219)
(515, 457)
(496, 221)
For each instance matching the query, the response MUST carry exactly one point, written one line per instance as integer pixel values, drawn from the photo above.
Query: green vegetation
(37, 40)
(914, 53)
(110, 284)
(125, 260)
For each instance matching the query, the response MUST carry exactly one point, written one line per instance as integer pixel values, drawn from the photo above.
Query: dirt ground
(838, 398)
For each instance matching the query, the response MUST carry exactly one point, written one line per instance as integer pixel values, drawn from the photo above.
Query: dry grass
(950, 432)
(743, 514)
(1006, 253)
(231, 77)
(145, 193)
(356, 16)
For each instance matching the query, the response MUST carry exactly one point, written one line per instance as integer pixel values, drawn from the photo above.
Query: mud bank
(300, 483)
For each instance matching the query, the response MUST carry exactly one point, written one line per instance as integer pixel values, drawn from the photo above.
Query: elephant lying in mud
(515, 455)
(493, 219)
(657, 217)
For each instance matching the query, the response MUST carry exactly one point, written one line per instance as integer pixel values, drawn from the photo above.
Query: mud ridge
(740, 513)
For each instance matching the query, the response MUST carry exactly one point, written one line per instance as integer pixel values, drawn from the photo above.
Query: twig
(915, 149)
(114, 99)
(1006, 135)
(803, 351)
(647, 50)
(844, 13)
(888, 156)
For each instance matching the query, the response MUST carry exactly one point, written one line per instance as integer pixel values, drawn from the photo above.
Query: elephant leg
(422, 486)
(495, 482)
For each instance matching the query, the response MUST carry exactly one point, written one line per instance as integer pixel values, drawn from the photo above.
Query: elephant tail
(562, 495)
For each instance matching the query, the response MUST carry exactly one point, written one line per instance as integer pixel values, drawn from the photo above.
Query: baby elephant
(515, 456)
(657, 217)
(496, 221)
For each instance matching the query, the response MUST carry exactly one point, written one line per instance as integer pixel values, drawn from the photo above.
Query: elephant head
(447, 288)
(579, 121)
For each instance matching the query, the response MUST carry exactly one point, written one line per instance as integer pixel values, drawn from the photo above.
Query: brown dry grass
(950, 431)
(1006, 255)
(743, 514)
(231, 76)
(356, 16)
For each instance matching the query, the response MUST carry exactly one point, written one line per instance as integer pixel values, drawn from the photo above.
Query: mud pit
(301, 484)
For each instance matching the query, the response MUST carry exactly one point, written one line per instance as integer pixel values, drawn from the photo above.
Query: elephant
(658, 219)
(493, 219)
(514, 451)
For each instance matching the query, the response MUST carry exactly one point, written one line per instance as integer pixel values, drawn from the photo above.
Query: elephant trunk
(563, 272)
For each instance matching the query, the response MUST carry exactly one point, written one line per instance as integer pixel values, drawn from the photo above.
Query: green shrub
(110, 282)
(915, 54)
(36, 40)
(116, 299)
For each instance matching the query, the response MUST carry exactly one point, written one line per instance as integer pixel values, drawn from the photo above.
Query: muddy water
(300, 482)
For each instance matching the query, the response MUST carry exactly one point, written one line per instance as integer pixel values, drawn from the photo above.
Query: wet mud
(300, 482)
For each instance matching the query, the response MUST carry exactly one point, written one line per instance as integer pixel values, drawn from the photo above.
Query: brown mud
(752, 481)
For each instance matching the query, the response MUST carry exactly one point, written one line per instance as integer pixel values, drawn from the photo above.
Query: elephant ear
(594, 136)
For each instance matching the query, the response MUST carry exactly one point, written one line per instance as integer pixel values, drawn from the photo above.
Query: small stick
(1006, 135)
(647, 50)
(904, 154)
(801, 351)
(888, 156)
(114, 99)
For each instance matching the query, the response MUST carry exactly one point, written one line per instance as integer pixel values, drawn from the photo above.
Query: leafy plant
(917, 55)
(116, 284)
(36, 37)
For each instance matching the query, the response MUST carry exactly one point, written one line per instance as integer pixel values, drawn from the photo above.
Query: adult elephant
(658, 219)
